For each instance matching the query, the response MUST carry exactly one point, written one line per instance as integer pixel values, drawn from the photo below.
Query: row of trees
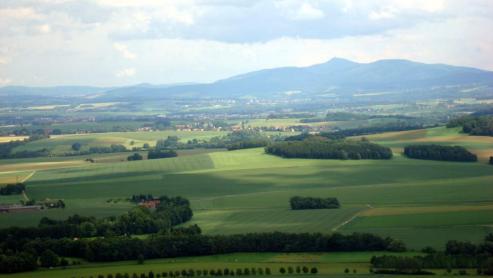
(179, 244)
(474, 124)
(246, 271)
(232, 141)
(457, 254)
(438, 152)
(11, 189)
(161, 153)
(298, 203)
(320, 148)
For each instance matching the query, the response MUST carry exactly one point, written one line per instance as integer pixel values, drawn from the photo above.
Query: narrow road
(29, 176)
(26, 198)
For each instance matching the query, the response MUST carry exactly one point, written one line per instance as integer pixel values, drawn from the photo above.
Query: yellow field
(31, 166)
(5, 139)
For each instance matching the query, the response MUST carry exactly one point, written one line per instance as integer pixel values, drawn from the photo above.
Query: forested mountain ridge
(394, 78)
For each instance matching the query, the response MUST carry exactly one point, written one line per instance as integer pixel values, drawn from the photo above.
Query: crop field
(5, 139)
(60, 144)
(421, 202)
(481, 145)
(330, 264)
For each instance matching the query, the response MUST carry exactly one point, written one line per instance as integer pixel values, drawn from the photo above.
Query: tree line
(18, 254)
(299, 203)
(7, 150)
(245, 271)
(474, 124)
(170, 245)
(457, 254)
(321, 148)
(438, 152)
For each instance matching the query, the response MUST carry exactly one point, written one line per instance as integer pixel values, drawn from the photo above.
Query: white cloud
(128, 72)
(296, 10)
(23, 13)
(186, 40)
(389, 9)
(123, 50)
(5, 81)
(386, 13)
(308, 12)
(44, 28)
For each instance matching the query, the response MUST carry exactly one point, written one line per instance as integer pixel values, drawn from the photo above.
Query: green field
(328, 264)
(248, 191)
(60, 144)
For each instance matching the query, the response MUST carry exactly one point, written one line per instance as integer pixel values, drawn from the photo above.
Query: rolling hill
(337, 78)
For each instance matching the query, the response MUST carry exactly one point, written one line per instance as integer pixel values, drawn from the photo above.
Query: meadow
(328, 264)
(421, 202)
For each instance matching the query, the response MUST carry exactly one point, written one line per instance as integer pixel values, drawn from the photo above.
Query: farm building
(153, 203)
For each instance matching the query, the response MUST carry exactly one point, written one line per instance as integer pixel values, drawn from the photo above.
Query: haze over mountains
(338, 77)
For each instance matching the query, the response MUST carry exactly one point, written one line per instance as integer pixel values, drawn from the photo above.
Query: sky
(123, 42)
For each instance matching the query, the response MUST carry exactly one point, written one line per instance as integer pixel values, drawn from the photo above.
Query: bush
(11, 189)
(437, 152)
(49, 259)
(161, 153)
(140, 259)
(135, 156)
(282, 270)
(298, 203)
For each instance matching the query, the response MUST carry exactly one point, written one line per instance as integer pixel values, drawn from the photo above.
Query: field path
(350, 219)
(28, 176)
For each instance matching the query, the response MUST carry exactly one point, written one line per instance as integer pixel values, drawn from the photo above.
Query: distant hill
(337, 76)
(51, 91)
(340, 78)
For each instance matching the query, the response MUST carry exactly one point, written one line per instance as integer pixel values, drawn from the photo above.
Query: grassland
(421, 202)
(328, 264)
(481, 145)
(60, 144)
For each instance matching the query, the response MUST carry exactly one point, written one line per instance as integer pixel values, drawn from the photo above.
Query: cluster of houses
(150, 203)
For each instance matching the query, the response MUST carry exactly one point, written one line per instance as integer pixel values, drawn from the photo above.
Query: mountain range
(337, 77)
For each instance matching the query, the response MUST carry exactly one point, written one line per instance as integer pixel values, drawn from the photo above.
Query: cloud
(123, 50)
(22, 13)
(44, 28)
(4, 81)
(127, 72)
(308, 12)
(205, 40)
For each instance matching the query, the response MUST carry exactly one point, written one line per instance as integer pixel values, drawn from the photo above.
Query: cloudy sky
(121, 42)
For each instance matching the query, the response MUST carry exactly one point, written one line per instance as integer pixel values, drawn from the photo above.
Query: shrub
(437, 152)
(135, 156)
